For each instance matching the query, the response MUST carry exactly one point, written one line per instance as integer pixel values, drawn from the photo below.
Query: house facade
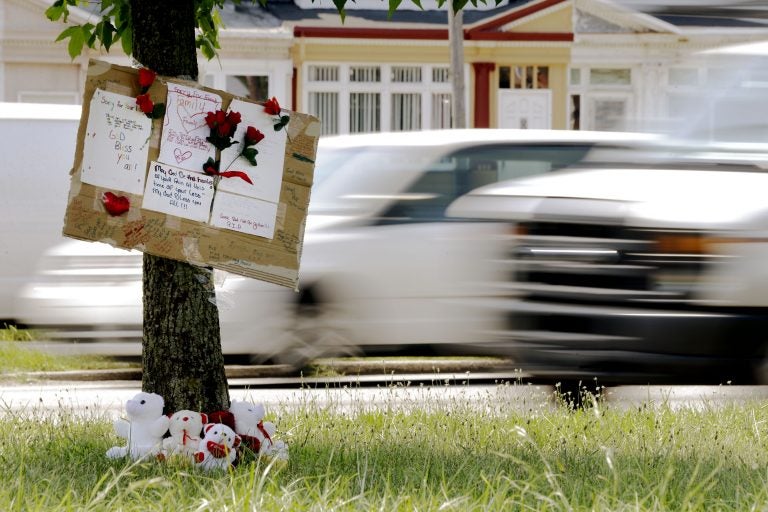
(563, 64)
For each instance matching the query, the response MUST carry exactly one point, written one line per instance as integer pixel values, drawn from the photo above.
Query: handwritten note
(244, 214)
(116, 143)
(183, 142)
(267, 174)
(178, 192)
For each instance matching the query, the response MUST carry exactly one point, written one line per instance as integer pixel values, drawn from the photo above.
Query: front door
(527, 109)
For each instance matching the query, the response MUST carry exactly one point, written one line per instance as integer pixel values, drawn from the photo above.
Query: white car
(382, 266)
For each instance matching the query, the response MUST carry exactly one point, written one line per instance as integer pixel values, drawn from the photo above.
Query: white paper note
(178, 192)
(244, 214)
(183, 141)
(267, 174)
(116, 143)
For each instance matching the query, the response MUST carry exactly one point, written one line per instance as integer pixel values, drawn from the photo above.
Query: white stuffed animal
(218, 447)
(257, 434)
(144, 428)
(185, 428)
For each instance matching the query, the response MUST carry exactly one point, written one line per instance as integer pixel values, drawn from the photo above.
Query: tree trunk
(181, 350)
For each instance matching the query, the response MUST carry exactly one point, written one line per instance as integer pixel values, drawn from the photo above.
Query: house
(564, 64)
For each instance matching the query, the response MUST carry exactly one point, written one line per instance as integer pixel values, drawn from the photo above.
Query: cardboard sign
(176, 210)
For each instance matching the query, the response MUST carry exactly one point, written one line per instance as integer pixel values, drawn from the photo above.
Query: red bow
(217, 450)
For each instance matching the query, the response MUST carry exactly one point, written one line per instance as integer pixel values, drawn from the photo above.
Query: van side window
(458, 173)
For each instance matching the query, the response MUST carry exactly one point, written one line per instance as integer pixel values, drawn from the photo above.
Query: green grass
(16, 357)
(417, 455)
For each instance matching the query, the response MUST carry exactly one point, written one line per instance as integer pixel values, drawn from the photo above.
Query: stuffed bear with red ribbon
(218, 447)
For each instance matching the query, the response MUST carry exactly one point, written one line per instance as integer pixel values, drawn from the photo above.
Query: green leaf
(107, 30)
(67, 32)
(126, 40)
(458, 5)
(418, 3)
(340, 7)
(56, 11)
(393, 5)
(76, 42)
(158, 110)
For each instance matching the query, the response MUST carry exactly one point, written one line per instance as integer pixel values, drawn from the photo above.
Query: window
(323, 73)
(325, 106)
(410, 74)
(609, 76)
(441, 110)
(364, 112)
(456, 174)
(609, 114)
(683, 77)
(523, 77)
(364, 98)
(406, 112)
(365, 74)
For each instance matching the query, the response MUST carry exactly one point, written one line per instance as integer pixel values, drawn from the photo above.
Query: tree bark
(181, 349)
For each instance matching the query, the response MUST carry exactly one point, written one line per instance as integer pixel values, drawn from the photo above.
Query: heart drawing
(190, 122)
(181, 156)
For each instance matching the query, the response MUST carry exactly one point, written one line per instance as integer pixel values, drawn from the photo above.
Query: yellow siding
(561, 20)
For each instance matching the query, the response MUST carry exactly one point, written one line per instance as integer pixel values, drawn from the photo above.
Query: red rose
(234, 117)
(253, 136)
(210, 119)
(225, 129)
(272, 107)
(146, 77)
(145, 103)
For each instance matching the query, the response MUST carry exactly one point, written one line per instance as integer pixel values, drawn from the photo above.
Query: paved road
(440, 393)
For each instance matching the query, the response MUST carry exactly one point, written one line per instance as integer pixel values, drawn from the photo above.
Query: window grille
(441, 110)
(325, 106)
(364, 74)
(406, 112)
(409, 74)
(323, 73)
(441, 75)
(364, 112)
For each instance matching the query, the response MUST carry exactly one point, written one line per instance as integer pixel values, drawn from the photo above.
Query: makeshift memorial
(218, 448)
(144, 428)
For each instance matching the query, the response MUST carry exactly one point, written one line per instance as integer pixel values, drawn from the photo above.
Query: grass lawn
(422, 456)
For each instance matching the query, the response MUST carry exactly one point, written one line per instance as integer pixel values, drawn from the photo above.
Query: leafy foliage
(114, 23)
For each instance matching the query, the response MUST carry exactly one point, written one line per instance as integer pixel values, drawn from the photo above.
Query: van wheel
(315, 330)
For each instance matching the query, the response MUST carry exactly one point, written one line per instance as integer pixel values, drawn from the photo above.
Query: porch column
(482, 93)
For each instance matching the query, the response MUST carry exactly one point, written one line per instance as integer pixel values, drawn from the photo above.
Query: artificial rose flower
(145, 103)
(272, 107)
(146, 77)
(234, 117)
(253, 136)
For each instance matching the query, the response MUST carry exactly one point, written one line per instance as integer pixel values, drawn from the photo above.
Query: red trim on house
(483, 93)
(371, 33)
(515, 15)
(519, 36)
(294, 88)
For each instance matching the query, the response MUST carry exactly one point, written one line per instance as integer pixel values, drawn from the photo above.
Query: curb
(340, 366)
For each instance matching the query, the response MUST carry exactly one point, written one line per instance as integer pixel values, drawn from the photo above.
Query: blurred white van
(383, 268)
(37, 144)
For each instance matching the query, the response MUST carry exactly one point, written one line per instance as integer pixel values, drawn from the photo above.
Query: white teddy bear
(218, 448)
(257, 434)
(144, 428)
(185, 428)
